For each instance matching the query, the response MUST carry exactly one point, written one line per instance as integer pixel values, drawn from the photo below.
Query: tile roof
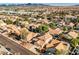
(40, 43)
(62, 46)
(45, 36)
(55, 31)
(71, 24)
(31, 35)
(44, 39)
(73, 34)
(14, 29)
(53, 43)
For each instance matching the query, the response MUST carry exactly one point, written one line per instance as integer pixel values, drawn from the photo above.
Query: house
(45, 21)
(71, 24)
(39, 43)
(55, 31)
(2, 23)
(45, 36)
(53, 43)
(44, 39)
(62, 23)
(25, 23)
(62, 46)
(69, 16)
(33, 26)
(57, 17)
(73, 34)
(31, 35)
(13, 29)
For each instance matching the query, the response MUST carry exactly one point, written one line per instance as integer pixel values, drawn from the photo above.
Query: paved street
(15, 48)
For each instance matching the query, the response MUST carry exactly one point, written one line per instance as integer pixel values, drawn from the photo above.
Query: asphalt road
(14, 47)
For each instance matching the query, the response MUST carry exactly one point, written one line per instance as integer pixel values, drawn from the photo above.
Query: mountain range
(40, 4)
(27, 4)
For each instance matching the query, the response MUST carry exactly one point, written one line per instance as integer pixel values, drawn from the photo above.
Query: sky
(49, 2)
(39, 1)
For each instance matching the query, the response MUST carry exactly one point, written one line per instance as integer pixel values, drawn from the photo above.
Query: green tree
(28, 20)
(8, 21)
(16, 22)
(53, 25)
(42, 28)
(74, 42)
(65, 28)
(77, 19)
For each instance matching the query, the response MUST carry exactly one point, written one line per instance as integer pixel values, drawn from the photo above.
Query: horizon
(50, 4)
